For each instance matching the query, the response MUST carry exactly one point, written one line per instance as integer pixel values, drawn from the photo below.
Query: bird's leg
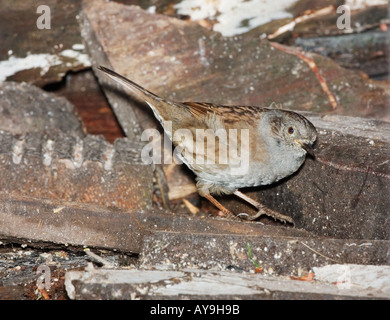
(263, 210)
(225, 211)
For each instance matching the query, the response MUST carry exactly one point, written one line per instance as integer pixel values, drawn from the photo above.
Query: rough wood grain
(181, 60)
(22, 40)
(282, 255)
(88, 170)
(26, 108)
(46, 155)
(199, 284)
(367, 51)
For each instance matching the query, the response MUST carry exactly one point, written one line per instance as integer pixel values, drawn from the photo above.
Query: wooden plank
(41, 56)
(201, 284)
(26, 108)
(73, 169)
(366, 51)
(282, 255)
(88, 224)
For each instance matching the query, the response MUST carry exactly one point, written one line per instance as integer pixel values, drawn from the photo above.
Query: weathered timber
(183, 61)
(368, 51)
(200, 284)
(26, 108)
(36, 55)
(87, 170)
(275, 254)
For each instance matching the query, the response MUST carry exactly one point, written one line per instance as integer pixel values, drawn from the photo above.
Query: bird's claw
(270, 213)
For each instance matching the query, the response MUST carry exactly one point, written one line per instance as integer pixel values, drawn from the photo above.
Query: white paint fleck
(151, 9)
(235, 16)
(361, 4)
(82, 58)
(48, 152)
(78, 46)
(108, 155)
(14, 64)
(17, 151)
(77, 156)
(42, 61)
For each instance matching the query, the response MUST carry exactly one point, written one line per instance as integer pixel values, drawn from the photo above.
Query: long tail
(164, 110)
(135, 88)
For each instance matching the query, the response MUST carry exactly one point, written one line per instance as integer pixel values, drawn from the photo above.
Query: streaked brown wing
(228, 114)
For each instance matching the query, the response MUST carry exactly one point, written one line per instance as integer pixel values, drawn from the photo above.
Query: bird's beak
(308, 147)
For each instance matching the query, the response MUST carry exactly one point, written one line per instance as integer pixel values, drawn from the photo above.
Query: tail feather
(164, 110)
(135, 88)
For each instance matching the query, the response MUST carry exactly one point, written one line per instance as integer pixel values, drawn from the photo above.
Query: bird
(250, 146)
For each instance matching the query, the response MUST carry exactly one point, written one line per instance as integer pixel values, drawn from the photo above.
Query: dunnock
(275, 147)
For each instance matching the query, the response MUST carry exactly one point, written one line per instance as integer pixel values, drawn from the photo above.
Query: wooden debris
(26, 108)
(83, 91)
(46, 155)
(307, 15)
(106, 264)
(182, 191)
(85, 170)
(367, 51)
(40, 56)
(207, 67)
(274, 254)
(311, 63)
(306, 277)
(44, 294)
(201, 284)
(362, 19)
(194, 210)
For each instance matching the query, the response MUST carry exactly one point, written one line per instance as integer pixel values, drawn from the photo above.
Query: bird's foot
(262, 210)
(270, 213)
(229, 215)
(225, 212)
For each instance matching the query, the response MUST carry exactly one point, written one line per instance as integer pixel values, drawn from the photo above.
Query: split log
(40, 56)
(181, 60)
(26, 108)
(275, 254)
(199, 284)
(88, 170)
(46, 155)
(366, 51)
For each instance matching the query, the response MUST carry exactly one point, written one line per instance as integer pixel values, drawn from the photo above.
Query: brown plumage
(271, 143)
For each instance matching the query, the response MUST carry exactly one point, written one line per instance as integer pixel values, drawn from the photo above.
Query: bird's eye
(290, 130)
